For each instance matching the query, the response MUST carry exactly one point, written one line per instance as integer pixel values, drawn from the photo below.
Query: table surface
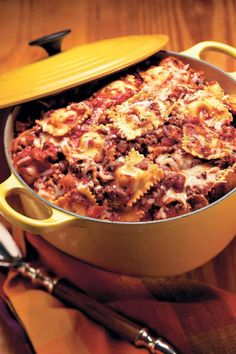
(186, 22)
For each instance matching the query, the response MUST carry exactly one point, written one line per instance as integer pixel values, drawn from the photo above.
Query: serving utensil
(11, 257)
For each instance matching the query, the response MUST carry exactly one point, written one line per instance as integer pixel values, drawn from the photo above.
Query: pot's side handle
(55, 221)
(196, 50)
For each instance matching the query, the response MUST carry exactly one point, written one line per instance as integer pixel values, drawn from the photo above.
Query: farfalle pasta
(155, 144)
(138, 174)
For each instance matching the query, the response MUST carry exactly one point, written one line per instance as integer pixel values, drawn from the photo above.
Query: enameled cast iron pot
(155, 248)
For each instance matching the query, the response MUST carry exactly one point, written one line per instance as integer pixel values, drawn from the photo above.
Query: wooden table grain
(186, 22)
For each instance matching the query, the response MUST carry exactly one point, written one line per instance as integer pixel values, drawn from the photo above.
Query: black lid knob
(52, 42)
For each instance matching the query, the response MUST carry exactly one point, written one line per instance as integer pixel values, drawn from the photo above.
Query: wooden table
(186, 22)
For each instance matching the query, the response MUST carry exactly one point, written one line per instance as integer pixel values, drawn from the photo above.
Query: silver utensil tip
(155, 346)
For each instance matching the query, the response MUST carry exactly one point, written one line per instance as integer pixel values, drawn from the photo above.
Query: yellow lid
(75, 66)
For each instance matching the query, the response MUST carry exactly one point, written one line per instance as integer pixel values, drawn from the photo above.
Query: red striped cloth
(195, 317)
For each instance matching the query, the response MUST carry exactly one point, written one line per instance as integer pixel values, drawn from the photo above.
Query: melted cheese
(173, 196)
(156, 74)
(201, 176)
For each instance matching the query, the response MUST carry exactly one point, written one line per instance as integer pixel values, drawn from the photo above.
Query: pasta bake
(154, 144)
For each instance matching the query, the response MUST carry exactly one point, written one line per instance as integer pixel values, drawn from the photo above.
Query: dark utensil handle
(104, 315)
(52, 42)
(110, 319)
(96, 310)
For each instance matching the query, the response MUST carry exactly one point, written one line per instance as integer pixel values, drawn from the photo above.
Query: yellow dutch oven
(154, 248)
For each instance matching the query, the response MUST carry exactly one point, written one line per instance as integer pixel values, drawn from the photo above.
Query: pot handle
(196, 50)
(55, 221)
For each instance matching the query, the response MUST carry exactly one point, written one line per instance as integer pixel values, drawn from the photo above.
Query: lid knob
(52, 42)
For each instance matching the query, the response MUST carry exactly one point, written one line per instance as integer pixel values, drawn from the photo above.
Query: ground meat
(228, 133)
(171, 210)
(142, 143)
(155, 194)
(172, 61)
(178, 92)
(50, 151)
(116, 196)
(197, 201)
(174, 209)
(22, 157)
(226, 161)
(173, 132)
(193, 120)
(150, 138)
(198, 77)
(155, 108)
(110, 97)
(47, 153)
(68, 182)
(143, 165)
(190, 190)
(217, 192)
(38, 154)
(122, 146)
(176, 119)
(175, 181)
(112, 166)
(95, 211)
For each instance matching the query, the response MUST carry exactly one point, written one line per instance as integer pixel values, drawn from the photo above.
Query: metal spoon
(11, 257)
